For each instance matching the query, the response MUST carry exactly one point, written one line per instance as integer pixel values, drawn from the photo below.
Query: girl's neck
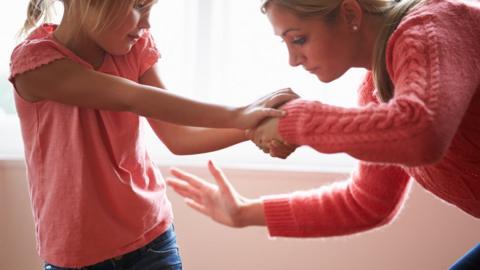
(79, 42)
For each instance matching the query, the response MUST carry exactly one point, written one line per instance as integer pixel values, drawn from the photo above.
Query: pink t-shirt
(95, 192)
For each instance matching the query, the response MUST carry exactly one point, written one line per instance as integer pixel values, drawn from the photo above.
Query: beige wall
(428, 234)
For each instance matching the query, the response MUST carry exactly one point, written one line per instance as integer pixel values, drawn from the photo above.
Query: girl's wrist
(236, 117)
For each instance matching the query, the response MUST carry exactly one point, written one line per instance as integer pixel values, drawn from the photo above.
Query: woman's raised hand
(221, 202)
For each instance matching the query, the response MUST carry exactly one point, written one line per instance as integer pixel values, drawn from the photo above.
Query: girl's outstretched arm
(186, 140)
(66, 82)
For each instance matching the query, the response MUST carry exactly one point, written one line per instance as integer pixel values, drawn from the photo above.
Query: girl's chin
(121, 51)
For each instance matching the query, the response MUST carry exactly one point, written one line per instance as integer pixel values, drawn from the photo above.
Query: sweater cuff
(279, 216)
(289, 126)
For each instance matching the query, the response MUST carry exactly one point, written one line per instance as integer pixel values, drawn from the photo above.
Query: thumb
(270, 112)
(249, 134)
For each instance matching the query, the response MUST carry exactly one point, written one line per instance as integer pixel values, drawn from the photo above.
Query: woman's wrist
(251, 213)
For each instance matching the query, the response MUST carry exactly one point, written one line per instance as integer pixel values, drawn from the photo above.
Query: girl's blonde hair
(95, 14)
(392, 11)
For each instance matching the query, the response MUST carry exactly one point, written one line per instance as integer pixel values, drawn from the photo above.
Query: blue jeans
(160, 254)
(469, 261)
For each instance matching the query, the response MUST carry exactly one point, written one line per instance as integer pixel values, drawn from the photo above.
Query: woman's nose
(295, 59)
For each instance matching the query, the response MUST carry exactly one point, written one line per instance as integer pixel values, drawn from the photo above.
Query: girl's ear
(351, 13)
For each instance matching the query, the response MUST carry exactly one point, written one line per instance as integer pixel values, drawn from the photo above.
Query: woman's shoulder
(438, 22)
(445, 14)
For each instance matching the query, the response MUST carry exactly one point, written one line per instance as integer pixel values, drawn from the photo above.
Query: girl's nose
(144, 23)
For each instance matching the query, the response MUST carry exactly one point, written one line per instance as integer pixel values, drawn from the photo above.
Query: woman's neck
(79, 42)
(369, 33)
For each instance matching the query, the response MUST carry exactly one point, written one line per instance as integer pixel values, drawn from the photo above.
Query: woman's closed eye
(299, 40)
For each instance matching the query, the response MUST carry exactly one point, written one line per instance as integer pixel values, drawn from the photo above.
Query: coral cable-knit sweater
(429, 131)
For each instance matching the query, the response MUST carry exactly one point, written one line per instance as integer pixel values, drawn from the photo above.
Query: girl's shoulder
(146, 46)
(144, 53)
(38, 49)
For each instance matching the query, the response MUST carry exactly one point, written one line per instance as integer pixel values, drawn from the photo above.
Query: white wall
(428, 235)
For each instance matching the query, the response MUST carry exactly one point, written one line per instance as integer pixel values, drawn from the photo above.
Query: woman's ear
(351, 13)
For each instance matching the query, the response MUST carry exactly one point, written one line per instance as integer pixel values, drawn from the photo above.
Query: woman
(418, 116)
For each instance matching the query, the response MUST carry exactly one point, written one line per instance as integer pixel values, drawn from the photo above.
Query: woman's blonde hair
(104, 12)
(392, 10)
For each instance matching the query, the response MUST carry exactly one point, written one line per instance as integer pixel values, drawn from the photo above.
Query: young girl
(98, 200)
(419, 116)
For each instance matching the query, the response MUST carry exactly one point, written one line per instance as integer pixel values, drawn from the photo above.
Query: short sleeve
(32, 54)
(146, 53)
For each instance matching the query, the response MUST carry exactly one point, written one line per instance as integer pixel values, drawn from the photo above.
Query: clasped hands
(219, 200)
(266, 135)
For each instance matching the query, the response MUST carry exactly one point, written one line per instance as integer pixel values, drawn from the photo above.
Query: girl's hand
(252, 115)
(220, 202)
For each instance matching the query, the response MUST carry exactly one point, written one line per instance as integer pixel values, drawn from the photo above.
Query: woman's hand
(250, 116)
(267, 138)
(220, 202)
(280, 149)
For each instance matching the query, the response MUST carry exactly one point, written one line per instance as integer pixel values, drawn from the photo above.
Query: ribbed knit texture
(430, 130)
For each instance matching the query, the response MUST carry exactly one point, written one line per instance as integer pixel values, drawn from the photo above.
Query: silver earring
(355, 28)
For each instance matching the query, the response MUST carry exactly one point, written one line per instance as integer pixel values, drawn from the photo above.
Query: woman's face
(322, 48)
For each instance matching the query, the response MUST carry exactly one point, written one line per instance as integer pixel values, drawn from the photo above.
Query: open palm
(220, 202)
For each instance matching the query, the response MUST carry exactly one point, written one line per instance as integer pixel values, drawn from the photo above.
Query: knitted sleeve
(370, 198)
(432, 93)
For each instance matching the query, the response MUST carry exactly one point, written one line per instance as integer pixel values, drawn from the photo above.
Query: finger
(287, 90)
(190, 178)
(262, 146)
(270, 112)
(196, 206)
(279, 154)
(249, 133)
(290, 91)
(183, 189)
(280, 150)
(280, 99)
(219, 176)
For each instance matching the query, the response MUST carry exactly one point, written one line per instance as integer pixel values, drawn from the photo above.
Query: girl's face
(322, 48)
(123, 34)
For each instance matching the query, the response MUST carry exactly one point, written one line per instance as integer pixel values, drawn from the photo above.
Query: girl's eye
(139, 6)
(299, 40)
